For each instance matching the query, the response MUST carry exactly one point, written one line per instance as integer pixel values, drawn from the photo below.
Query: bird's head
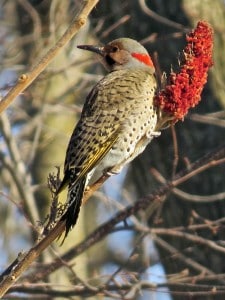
(123, 53)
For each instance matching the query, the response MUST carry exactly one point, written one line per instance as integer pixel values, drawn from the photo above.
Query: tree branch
(26, 79)
(18, 171)
(151, 202)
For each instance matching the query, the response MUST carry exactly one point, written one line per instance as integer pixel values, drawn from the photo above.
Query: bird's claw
(113, 171)
(153, 134)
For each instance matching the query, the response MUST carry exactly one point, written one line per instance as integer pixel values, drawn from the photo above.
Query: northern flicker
(117, 122)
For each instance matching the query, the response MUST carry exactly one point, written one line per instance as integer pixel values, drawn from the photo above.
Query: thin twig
(186, 260)
(151, 202)
(26, 79)
(18, 170)
(114, 26)
(176, 152)
(208, 119)
(198, 198)
(159, 18)
(176, 288)
(190, 237)
(187, 196)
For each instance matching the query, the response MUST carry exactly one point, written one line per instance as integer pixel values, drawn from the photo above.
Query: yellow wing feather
(102, 151)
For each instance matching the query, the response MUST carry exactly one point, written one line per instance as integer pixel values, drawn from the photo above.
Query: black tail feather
(75, 195)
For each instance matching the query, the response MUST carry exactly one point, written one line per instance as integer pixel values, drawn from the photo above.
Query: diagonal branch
(159, 18)
(210, 160)
(26, 79)
(18, 171)
(151, 202)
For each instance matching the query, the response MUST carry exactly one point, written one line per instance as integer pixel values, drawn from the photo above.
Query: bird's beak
(95, 49)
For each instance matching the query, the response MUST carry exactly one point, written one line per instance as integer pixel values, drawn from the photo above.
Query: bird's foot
(150, 134)
(114, 170)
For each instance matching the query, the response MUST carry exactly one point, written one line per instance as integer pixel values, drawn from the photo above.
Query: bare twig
(34, 16)
(187, 196)
(186, 260)
(121, 21)
(208, 119)
(190, 237)
(198, 198)
(29, 257)
(151, 201)
(59, 291)
(176, 154)
(18, 170)
(159, 18)
(26, 79)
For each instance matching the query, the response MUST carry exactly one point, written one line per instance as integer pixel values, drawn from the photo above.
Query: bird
(117, 122)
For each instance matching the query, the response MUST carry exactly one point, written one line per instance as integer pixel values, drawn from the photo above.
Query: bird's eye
(114, 49)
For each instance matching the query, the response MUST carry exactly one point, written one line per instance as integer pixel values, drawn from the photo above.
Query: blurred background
(35, 129)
